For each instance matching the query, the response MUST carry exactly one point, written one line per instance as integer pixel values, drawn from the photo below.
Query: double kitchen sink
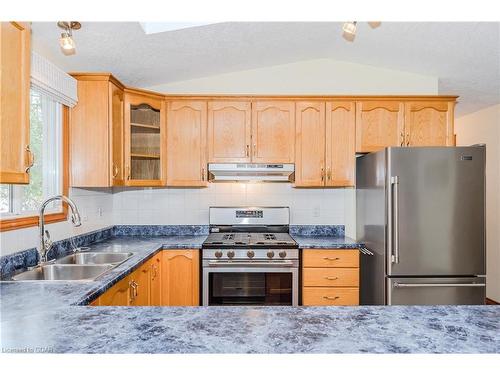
(84, 266)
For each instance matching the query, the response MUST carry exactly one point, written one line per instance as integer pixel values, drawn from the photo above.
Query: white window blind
(52, 81)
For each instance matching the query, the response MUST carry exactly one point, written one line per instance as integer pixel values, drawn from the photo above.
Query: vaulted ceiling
(465, 56)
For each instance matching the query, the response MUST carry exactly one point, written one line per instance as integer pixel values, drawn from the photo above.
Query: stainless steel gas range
(249, 258)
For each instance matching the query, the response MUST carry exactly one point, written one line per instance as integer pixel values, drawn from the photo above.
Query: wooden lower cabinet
(330, 296)
(330, 258)
(155, 286)
(117, 295)
(169, 278)
(140, 285)
(330, 277)
(180, 278)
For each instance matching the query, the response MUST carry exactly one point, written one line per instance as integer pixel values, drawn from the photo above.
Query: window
(46, 175)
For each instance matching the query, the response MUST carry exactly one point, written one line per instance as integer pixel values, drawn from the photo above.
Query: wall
(89, 203)
(484, 127)
(321, 76)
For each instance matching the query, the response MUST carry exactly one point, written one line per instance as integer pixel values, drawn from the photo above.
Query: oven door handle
(226, 263)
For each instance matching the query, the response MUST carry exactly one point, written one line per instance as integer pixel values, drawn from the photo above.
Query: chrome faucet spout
(45, 241)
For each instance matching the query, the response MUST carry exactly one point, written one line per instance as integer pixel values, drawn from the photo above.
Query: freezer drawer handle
(403, 285)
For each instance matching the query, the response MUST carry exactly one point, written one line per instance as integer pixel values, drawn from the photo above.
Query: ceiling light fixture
(349, 29)
(66, 40)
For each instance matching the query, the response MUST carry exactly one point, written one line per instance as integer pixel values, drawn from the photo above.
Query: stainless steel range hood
(251, 172)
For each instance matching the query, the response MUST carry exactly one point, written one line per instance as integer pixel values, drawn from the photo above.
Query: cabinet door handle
(329, 174)
(331, 278)
(136, 289)
(254, 149)
(31, 159)
(128, 172)
(322, 174)
(132, 290)
(115, 170)
(407, 139)
(203, 174)
(331, 298)
(248, 150)
(329, 258)
(402, 143)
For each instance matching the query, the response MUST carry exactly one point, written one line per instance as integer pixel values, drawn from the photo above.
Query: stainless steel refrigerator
(421, 214)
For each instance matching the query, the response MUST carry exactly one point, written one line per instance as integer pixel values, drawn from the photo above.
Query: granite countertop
(382, 329)
(326, 242)
(52, 316)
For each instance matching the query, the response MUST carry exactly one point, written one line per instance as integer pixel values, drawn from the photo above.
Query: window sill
(32, 221)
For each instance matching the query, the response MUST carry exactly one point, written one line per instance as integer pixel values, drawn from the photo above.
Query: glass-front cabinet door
(144, 140)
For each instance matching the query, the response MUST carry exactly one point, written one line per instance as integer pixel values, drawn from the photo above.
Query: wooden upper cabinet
(229, 132)
(145, 139)
(96, 132)
(310, 144)
(15, 57)
(340, 143)
(429, 123)
(116, 111)
(186, 143)
(273, 128)
(379, 124)
(180, 278)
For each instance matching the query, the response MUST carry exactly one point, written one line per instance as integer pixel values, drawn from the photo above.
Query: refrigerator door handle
(417, 285)
(394, 220)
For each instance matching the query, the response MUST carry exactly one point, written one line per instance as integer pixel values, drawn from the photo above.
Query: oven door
(250, 283)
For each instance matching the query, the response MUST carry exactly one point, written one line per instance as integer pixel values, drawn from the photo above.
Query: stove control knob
(250, 254)
(230, 254)
(218, 254)
(282, 254)
(270, 254)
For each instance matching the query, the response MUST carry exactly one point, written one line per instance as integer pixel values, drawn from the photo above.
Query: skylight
(160, 27)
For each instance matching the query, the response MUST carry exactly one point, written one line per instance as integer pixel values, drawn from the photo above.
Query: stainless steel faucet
(45, 241)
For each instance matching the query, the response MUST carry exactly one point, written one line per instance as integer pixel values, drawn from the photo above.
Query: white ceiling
(464, 55)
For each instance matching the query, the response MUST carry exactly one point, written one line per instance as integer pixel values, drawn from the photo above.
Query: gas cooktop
(249, 239)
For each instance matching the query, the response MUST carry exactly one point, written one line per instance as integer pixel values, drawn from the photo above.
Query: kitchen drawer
(330, 258)
(312, 296)
(330, 277)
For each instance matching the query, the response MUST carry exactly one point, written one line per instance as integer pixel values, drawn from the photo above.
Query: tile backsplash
(169, 206)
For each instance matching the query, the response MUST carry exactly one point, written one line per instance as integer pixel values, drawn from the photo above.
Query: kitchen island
(54, 317)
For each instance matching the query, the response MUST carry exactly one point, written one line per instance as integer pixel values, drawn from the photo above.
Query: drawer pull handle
(329, 258)
(331, 298)
(331, 278)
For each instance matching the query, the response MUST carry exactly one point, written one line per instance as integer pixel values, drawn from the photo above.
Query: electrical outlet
(316, 211)
(99, 212)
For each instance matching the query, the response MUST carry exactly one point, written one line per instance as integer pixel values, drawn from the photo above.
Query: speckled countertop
(50, 315)
(326, 242)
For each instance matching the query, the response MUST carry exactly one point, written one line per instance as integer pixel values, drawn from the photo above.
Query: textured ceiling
(464, 55)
